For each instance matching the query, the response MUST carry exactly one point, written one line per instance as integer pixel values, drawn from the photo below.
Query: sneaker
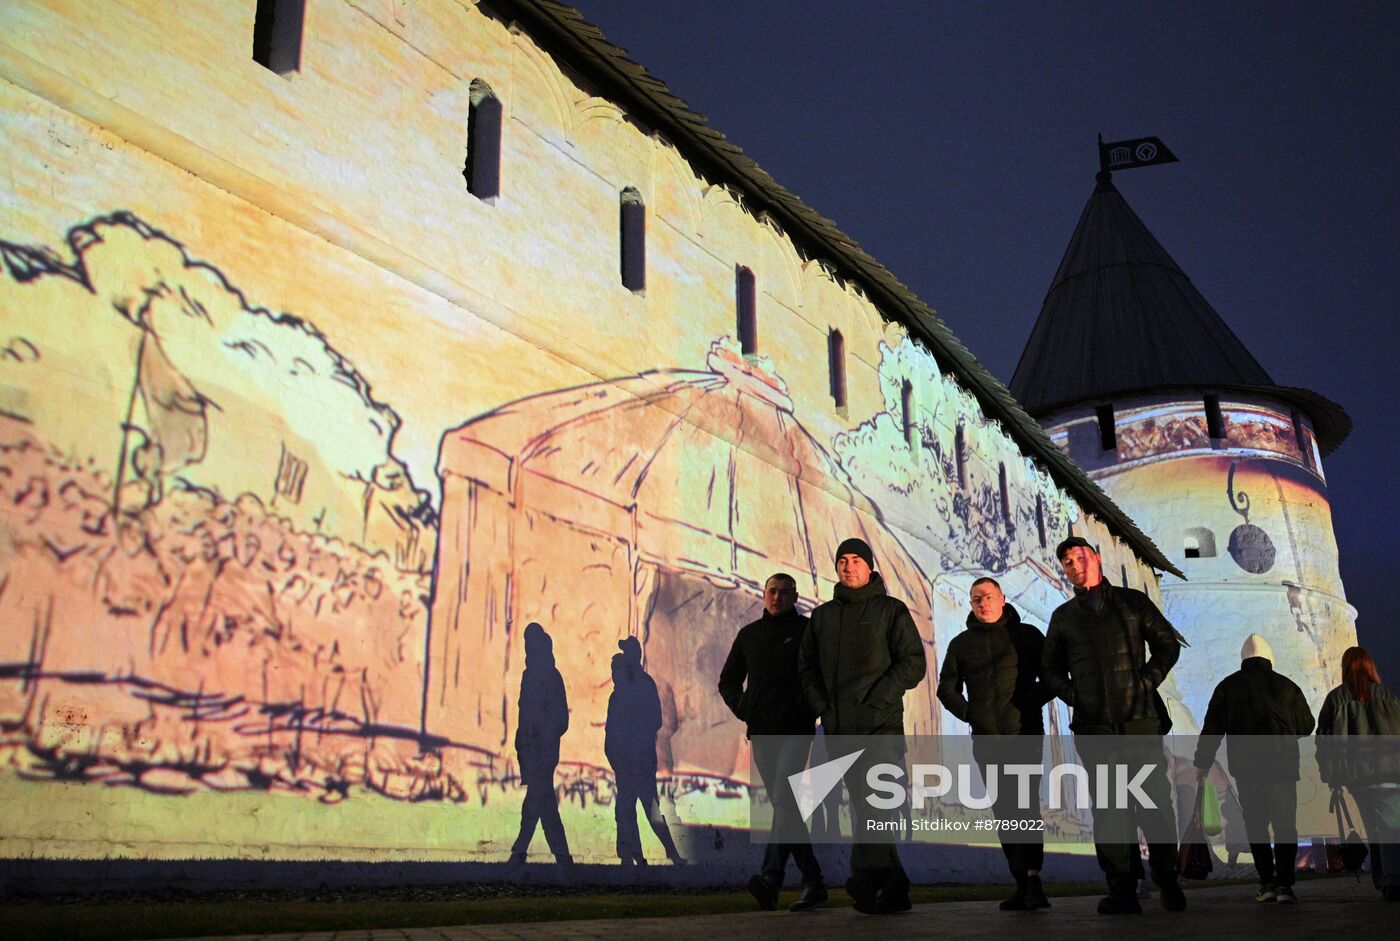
(1120, 905)
(1035, 893)
(763, 893)
(812, 898)
(1285, 895)
(1266, 893)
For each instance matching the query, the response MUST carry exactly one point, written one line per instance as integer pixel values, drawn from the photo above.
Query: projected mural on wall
(352, 509)
(217, 577)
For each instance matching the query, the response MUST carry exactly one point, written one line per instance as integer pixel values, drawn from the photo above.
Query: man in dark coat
(780, 729)
(543, 719)
(998, 659)
(1271, 713)
(860, 654)
(1094, 660)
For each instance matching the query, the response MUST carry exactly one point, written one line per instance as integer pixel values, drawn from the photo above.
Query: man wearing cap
(759, 684)
(1271, 712)
(860, 654)
(1107, 650)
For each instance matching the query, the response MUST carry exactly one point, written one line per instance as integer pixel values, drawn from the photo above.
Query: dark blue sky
(955, 142)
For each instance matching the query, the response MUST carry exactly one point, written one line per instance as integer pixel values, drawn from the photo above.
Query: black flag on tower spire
(1139, 152)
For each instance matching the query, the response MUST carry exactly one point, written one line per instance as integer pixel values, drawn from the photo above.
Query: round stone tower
(1140, 381)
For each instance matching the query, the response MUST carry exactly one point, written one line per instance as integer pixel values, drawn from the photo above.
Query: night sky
(956, 143)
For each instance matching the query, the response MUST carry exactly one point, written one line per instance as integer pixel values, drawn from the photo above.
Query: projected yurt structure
(655, 507)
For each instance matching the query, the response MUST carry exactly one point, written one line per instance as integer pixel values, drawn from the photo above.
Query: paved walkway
(1334, 907)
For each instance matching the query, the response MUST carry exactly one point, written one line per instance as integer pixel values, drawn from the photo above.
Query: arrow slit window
(483, 167)
(906, 411)
(633, 238)
(960, 455)
(277, 26)
(746, 312)
(1108, 435)
(836, 352)
(1005, 494)
(1215, 421)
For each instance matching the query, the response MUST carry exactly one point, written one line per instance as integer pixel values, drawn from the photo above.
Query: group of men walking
(1107, 651)
(1105, 654)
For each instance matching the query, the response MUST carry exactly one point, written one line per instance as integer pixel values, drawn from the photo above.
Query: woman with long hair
(1358, 747)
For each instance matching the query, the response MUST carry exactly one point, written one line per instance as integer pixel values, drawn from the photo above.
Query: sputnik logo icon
(811, 786)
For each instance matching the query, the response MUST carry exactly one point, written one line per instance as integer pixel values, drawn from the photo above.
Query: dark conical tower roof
(1122, 317)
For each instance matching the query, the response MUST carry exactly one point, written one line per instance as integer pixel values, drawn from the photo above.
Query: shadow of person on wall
(629, 741)
(543, 720)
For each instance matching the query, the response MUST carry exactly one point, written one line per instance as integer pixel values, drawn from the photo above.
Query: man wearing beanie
(759, 684)
(998, 659)
(1095, 661)
(860, 654)
(1272, 712)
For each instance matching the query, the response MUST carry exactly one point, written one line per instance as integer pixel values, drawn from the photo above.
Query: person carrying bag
(1194, 860)
(1350, 850)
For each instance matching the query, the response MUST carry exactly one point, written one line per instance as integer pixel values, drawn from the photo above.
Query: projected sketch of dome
(653, 506)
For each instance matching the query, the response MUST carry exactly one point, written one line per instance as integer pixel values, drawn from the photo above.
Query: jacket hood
(1010, 617)
(871, 589)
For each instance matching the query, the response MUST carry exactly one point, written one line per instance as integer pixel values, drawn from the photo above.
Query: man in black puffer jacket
(1094, 660)
(780, 728)
(1261, 714)
(998, 659)
(859, 656)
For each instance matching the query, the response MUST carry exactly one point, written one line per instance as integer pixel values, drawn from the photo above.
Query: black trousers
(1265, 805)
(1116, 827)
(777, 757)
(1024, 847)
(875, 832)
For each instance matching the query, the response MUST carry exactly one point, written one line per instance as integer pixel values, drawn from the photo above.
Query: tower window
(960, 455)
(1124, 582)
(632, 231)
(906, 410)
(1005, 494)
(744, 302)
(1108, 436)
(1199, 543)
(1215, 422)
(836, 361)
(277, 34)
(1040, 518)
(483, 167)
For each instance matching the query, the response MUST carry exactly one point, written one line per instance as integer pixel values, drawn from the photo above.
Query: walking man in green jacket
(860, 654)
